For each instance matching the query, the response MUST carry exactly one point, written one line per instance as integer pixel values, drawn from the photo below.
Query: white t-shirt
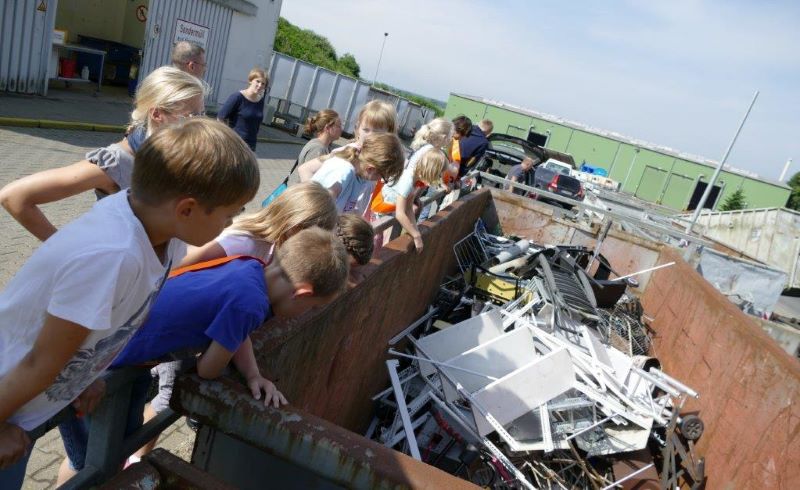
(237, 242)
(355, 194)
(101, 272)
(405, 184)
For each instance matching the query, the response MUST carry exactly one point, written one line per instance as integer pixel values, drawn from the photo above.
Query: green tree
(348, 65)
(734, 202)
(794, 197)
(307, 45)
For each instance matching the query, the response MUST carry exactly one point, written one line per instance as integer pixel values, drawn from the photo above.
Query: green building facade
(651, 173)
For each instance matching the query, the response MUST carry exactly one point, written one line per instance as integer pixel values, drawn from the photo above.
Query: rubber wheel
(692, 427)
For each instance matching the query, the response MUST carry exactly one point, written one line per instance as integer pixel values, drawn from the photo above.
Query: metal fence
(299, 89)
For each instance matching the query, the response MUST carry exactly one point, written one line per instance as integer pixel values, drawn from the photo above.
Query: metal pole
(633, 163)
(392, 364)
(385, 35)
(714, 177)
(785, 169)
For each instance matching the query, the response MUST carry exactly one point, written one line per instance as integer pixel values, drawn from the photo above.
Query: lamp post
(385, 35)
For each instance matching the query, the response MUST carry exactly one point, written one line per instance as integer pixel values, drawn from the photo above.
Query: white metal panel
(25, 37)
(160, 32)
(459, 338)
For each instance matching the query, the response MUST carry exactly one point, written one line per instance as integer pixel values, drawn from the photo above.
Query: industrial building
(47, 43)
(650, 172)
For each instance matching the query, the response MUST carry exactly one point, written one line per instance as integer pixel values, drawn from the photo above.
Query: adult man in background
(190, 58)
(520, 173)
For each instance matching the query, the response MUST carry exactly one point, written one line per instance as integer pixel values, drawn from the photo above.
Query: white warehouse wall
(250, 44)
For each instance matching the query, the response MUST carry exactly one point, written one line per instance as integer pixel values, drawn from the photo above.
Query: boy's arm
(213, 361)
(245, 361)
(56, 344)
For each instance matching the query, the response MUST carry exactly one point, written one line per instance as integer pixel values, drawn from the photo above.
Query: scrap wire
(626, 327)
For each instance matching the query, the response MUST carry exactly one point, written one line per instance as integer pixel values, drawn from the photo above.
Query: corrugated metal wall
(160, 33)
(25, 37)
(298, 87)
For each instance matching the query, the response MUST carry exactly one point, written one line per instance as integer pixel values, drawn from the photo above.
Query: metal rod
(717, 171)
(586, 429)
(640, 470)
(400, 398)
(375, 78)
(785, 169)
(397, 338)
(645, 270)
(442, 364)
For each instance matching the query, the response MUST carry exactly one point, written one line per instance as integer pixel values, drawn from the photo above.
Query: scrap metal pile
(528, 372)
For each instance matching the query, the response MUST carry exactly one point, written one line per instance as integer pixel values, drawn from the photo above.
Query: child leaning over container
(358, 238)
(165, 96)
(350, 174)
(399, 197)
(82, 295)
(258, 234)
(211, 309)
(376, 117)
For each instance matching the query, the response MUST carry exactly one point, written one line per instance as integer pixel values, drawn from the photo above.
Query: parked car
(554, 176)
(505, 151)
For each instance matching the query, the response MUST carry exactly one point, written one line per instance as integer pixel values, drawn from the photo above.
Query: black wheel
(692, 427)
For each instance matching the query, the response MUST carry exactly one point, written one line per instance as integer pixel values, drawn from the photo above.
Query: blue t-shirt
(243, 116)
(224, 303)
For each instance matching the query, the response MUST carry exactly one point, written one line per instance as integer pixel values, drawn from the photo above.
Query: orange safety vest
(378, 205)
(455, 158)
(210, 264)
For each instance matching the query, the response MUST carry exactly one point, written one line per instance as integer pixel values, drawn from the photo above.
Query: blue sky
(677, 73)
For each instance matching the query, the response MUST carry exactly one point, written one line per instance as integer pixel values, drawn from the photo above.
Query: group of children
(119, 286)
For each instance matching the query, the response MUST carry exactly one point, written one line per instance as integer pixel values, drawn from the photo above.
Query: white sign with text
(194, 33)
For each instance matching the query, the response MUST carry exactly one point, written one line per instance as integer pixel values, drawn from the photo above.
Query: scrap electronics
(533, 369)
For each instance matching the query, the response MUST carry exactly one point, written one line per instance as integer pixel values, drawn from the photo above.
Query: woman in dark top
(244, 110)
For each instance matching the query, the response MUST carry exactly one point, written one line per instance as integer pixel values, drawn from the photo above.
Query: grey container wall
(25, 45)
(298, 89)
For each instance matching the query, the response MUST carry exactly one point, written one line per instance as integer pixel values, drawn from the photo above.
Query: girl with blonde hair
(399, 197)
(165, 96)
(257, 234)
(376, 117)
(350, 174)
(326, 126)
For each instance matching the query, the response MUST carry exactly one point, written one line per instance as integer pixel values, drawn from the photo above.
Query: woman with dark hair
(326, 126)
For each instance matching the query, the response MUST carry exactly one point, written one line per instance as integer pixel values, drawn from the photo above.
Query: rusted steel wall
(509, 213)
(309, 443)
(330, 361)
(747, 384)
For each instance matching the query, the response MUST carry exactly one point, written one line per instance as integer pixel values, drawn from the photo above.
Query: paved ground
(27, 150)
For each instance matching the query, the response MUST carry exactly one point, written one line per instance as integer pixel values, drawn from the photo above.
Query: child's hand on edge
(14, 443)
(418, 243)
(272, 396)
(90, 398)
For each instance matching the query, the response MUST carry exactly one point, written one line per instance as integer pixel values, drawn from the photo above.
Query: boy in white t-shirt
(78, 300)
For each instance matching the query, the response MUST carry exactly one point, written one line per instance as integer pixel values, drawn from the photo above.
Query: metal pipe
(645, 270)
(400, 398)
(640, 470)
(441, 364)
(714, 177)
(397, 338)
